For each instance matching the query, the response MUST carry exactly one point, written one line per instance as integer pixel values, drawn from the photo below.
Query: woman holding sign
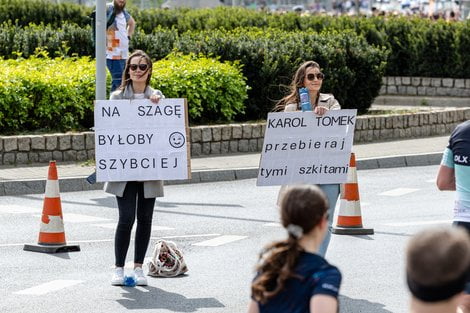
(308, 76)
(134, 197)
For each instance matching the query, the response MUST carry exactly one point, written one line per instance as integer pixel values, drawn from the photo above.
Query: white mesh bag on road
(167, 260)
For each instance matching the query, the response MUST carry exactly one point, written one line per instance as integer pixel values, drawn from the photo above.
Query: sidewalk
(412, 152)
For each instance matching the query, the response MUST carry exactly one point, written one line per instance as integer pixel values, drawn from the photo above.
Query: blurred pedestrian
(437, 268)
(134, 197)
(309, 75)
(118, 35)
(291, 276)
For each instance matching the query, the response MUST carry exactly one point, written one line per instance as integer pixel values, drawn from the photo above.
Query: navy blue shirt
(318, 277)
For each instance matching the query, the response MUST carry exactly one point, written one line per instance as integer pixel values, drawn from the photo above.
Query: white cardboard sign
(301, 147)
(137, 140)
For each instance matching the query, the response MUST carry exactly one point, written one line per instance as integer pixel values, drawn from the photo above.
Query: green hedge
(66, 40)
(24, 12)
(269, 57)
(42, 94)
(215, 91)
(353, 68)
(416, 45)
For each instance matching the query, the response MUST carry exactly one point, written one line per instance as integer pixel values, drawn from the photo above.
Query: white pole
(100, 50)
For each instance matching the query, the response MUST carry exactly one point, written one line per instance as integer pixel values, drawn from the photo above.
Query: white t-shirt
(117, 43)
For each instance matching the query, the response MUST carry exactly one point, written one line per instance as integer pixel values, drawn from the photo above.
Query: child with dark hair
(292, 277)
(437, 269)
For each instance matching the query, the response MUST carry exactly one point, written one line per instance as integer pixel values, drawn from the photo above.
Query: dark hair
(297, 82)
(126, 79)
(438, 256)
(304, 206)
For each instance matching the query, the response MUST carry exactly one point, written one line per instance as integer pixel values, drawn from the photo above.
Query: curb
(37, 186)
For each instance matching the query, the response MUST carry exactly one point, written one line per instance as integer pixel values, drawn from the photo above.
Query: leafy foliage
(57, 94)
(42, 93)
(215, 91)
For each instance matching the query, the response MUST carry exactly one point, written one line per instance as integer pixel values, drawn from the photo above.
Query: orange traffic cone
(51, 232)
(349, 216)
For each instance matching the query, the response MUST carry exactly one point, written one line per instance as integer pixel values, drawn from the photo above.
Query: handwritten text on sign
(140, 140)
(301, 147)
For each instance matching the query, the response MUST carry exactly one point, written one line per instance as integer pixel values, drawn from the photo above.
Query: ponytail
(277, 264)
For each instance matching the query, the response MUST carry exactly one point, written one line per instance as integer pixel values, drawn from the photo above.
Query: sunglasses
(319, 76)
(142, 67)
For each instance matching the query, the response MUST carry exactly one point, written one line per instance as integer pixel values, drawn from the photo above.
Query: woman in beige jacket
(308, 75)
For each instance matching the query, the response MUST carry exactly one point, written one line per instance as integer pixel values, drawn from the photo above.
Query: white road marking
(111, 240)
(156, 227)
(80, 218)
(417, 223)
(48, 287)
(219, 241)
(186, 236)
(398, 192)
(113, 226)
(106, 225)
(431, 180)
(17, 209)
(272, 225)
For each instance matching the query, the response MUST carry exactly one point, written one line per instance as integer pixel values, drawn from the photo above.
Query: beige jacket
(153, 188)
(325, 100)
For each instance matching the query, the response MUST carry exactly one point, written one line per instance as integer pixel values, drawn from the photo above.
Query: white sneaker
(118, 277)
(140, 277)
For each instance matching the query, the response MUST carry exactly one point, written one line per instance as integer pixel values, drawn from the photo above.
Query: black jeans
(133, 201)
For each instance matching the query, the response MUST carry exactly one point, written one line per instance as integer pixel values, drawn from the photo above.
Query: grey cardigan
(153, 188)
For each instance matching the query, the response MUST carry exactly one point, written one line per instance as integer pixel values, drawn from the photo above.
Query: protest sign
(138, 140)
(301, 147)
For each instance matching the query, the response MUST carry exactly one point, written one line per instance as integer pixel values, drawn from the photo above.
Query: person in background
(309, 75)
(134, 197)
(437, 269)
(454, 175)
(291, 276)
(118, 35)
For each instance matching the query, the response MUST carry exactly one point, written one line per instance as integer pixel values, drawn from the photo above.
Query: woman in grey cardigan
(134, 197)
(308, 75)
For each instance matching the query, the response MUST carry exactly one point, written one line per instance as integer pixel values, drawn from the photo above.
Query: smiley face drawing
(176, 139)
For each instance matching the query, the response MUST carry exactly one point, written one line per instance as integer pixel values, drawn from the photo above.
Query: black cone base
(51, 248)
(352, 231)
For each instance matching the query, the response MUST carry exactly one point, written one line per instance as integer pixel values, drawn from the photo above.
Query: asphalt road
(220, 227)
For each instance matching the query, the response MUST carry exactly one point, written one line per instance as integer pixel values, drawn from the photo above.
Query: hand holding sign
(301, 147)
(138, 140)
